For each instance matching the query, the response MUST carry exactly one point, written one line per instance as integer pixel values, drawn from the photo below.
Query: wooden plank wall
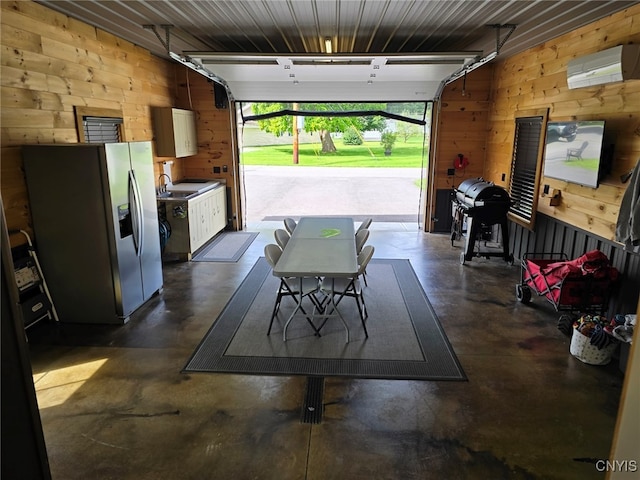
(484, 120)
(536, 79)
(52, 63)
(215, 134)
(459, 125)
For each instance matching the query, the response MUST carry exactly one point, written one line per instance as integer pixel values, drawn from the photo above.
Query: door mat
(226, 247)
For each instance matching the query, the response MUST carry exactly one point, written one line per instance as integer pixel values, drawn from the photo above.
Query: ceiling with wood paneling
(276, 50)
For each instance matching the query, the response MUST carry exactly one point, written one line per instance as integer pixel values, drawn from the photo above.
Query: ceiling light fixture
(328, 47)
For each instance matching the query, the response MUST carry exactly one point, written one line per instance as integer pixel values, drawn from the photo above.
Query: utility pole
(294, 126)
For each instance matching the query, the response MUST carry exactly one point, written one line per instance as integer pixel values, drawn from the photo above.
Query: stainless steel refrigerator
(95, 222)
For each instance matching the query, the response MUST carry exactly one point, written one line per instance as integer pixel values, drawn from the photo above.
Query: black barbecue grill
(479, 205)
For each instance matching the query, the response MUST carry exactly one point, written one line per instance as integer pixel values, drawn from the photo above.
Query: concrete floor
(114, 404)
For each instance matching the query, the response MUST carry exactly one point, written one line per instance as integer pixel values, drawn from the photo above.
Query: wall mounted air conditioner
(612, 65)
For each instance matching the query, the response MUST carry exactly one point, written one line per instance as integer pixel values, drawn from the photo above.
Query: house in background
(57, 70)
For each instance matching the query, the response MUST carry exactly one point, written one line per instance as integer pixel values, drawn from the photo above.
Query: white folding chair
(350, 287)
(361, 239)
(282, 237)
(366, 223)
(290, 224)
(290, 287)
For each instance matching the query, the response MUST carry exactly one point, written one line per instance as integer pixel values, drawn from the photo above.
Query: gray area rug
(226, 247)
(406, 340)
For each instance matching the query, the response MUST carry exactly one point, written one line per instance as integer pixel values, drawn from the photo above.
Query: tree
(387, 140)
(407, 130)
(352, 136)
(324, 125)
(277, 126)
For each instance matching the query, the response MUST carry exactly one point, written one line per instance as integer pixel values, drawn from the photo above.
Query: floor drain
(313, 401)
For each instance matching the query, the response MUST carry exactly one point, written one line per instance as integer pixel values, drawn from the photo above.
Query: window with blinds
(523, 185)
(102, 129)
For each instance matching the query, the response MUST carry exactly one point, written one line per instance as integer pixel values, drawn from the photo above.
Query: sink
(176, 195)
(186, 190)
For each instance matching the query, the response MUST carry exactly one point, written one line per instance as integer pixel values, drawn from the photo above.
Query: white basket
(587, 353)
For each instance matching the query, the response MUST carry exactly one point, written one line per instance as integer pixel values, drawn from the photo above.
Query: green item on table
(330, 232)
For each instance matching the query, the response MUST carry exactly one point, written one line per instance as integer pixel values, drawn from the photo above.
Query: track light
(328, 47)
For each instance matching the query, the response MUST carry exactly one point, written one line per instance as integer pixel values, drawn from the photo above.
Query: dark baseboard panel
(552, 235)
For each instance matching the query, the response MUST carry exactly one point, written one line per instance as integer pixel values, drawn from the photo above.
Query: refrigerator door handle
(136, 213)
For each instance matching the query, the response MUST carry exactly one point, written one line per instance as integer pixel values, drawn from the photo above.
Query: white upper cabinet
(175, 132)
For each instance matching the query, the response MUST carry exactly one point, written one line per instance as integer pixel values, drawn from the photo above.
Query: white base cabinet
(196, 221)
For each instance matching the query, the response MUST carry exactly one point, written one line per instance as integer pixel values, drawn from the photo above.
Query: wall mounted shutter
(524, 166)
(102, 129)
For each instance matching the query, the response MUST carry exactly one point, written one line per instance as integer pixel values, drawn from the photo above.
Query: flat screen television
(577, 152)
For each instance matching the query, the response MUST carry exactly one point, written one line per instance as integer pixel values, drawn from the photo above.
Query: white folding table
(319, 247)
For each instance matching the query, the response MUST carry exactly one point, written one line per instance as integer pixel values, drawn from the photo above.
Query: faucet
(162, 188)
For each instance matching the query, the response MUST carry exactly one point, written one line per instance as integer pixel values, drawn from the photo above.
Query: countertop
(181, 191)
(198, 187)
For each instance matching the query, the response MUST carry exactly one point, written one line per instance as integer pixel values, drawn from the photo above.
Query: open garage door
(359, 160)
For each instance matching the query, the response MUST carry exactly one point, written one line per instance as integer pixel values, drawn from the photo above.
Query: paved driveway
(387, 194)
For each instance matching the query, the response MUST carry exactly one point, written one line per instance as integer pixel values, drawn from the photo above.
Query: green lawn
(586, 163)
(369, 154)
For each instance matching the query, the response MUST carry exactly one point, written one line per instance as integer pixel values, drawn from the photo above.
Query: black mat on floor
(226, 247)
(406, 340)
